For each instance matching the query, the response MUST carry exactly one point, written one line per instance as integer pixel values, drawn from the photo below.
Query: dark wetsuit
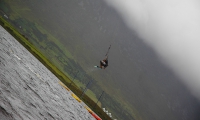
(104, 64)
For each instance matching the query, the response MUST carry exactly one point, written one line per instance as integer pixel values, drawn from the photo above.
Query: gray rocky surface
(29, 91)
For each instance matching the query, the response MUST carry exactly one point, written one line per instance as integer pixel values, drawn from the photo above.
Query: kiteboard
(97, 67)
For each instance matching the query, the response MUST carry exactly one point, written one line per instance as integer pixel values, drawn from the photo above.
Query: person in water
(103, 63)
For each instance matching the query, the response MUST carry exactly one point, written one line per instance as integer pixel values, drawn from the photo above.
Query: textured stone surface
(29, 91)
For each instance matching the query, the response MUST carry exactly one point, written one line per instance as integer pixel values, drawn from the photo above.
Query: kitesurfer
(103, 63)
